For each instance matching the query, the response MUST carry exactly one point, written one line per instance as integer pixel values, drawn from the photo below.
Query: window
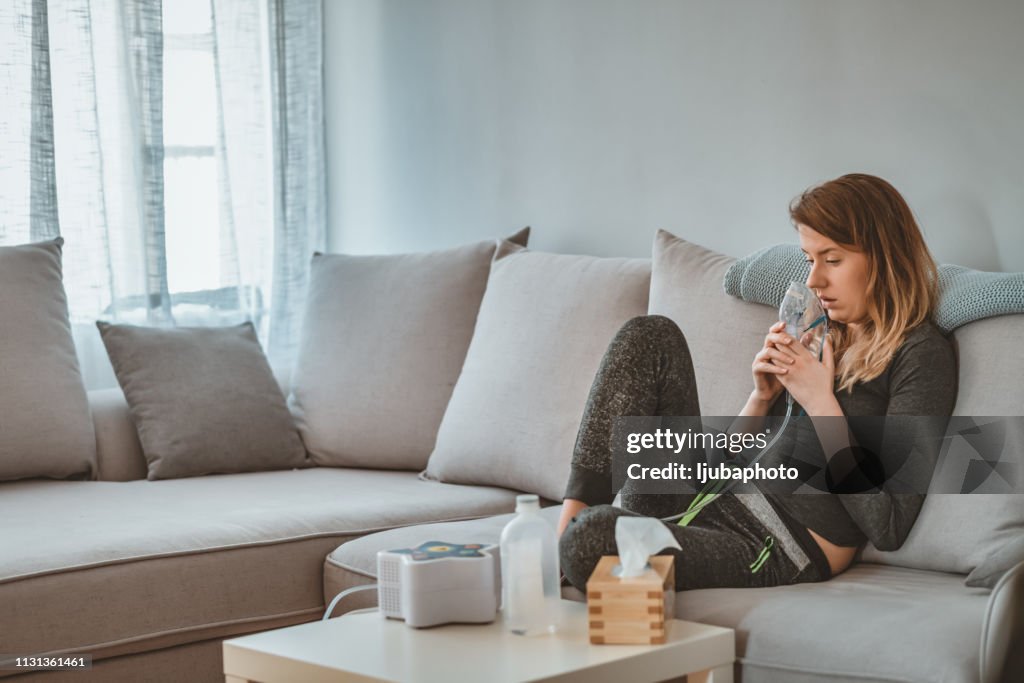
(192, 222)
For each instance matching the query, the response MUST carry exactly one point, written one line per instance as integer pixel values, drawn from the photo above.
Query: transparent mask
(804, 317)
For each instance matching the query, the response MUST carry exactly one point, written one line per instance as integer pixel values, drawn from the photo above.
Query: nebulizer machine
(805, 321)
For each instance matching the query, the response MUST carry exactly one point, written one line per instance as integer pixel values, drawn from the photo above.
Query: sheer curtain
(178, 149)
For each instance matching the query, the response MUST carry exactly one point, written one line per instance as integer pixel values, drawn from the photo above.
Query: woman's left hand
(810, 382)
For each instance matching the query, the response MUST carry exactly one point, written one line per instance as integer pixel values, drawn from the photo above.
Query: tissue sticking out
(631, 596)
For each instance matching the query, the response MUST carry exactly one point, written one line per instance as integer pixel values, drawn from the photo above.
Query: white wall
(598, 121)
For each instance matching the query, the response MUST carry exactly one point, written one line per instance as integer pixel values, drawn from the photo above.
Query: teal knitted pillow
(965, 295)
(764, 276)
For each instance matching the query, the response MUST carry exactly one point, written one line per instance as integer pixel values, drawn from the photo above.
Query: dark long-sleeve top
(916, 394)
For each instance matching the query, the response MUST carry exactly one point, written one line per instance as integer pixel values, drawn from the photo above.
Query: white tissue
(637, 539)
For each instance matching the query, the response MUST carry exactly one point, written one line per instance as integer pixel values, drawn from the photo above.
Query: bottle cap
(527, 502)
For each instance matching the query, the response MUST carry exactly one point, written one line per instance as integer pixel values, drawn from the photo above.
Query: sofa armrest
(1002, 633)
(118, 451)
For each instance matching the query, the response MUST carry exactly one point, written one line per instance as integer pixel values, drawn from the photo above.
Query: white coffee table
(363, 646)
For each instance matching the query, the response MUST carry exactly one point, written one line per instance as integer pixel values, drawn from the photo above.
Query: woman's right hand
(769, 363)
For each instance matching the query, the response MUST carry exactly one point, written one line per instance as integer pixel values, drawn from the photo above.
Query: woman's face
(838, 276)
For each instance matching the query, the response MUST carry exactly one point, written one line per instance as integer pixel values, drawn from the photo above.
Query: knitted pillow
(965, 295)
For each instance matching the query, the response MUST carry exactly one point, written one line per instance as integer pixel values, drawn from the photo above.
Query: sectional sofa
(459, 386)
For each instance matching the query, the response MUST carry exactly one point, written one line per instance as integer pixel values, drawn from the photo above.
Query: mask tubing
(705, 500)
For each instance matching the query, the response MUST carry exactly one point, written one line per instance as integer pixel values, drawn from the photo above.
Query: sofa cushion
(143, 564)
(991, 569)
(937, 619)
(45, 427)
(382, 345)
(956, 532)
(545, 322)
(203, 399)
(118, 451)
(990, 365)
(870, 623)
(722, 332)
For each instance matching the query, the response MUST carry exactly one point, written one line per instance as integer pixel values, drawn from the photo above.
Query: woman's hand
(770, 364)
(811, 383)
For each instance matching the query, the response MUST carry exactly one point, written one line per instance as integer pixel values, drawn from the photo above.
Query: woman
(877, 281)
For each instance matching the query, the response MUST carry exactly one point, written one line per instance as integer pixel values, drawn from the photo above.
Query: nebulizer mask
(805, 321)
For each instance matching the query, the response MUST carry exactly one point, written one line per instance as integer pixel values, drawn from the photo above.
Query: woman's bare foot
(570, 507)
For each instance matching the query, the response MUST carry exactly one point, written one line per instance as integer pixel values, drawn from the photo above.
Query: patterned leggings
(647, 370)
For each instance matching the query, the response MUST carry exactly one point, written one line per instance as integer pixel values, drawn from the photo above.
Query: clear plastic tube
(707, 500)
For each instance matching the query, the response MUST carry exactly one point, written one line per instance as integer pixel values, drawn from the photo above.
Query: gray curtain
(96, 145)
(43, 220)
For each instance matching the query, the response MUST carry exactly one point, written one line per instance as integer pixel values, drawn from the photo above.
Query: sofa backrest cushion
(118, 450)
(383, 342)
(45, 426)
(722, 332)
(957, 532)
(544, 325)
(991, 367)
(203, 399)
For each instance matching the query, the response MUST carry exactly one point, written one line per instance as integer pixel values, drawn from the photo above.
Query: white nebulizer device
(439, 583)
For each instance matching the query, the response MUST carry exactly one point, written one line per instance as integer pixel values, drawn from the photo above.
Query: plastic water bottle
(530, 586)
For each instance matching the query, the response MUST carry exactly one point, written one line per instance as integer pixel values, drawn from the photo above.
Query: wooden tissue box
(630, 611)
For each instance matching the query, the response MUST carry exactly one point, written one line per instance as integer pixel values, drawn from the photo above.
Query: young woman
(877, 281)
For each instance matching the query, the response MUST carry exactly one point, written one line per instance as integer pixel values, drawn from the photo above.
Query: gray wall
(598, 121)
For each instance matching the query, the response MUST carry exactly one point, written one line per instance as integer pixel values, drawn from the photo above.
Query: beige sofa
(905, 615)
(150, 576)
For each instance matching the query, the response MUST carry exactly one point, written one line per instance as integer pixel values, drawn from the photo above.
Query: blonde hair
(866, 214)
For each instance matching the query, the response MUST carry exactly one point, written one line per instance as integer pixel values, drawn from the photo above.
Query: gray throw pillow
(383, 342)
(988, 573)
(45, 426)
(545, 323)
(722, 332)
(203, 400)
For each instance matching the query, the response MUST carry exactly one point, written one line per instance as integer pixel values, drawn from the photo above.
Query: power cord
(339, 596)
